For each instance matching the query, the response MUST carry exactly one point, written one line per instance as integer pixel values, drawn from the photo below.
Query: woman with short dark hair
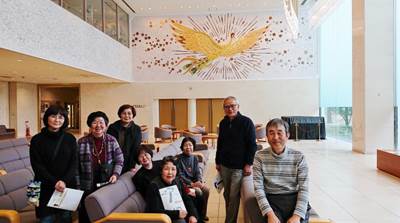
(100, 159)
(167, 178)
(53, 155)
(128, 135)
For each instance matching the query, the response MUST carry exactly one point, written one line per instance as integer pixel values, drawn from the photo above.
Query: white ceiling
(184, 7)
(23, 68)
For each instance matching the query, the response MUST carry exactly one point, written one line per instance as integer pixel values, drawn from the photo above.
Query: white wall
(260, 100)
(41, 28)
(4, 104)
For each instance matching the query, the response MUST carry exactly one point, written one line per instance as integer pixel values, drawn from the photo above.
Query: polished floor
(345, 187)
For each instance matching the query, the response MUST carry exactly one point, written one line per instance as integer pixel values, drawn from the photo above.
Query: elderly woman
(128, 135)
(167, 179)
(54, 162)
(100, 158)
(189, 174)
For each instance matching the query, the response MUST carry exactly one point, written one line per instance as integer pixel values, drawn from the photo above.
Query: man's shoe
(206, 218)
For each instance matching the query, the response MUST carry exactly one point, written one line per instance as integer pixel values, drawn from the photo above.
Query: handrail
(11, 215)
(139, 217)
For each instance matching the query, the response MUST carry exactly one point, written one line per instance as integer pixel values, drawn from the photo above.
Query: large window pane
(123, 27)
(74, 6)
(110, 23)
(336, 72)
(94, 13)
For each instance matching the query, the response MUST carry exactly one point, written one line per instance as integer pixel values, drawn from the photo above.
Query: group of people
(280, 174)
(59, 160)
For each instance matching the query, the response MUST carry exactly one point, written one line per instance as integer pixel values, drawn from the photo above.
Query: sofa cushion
(10, 160)
(133, 204)
(15, 180)
(19, 141)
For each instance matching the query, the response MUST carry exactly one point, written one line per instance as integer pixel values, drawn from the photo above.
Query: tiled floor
(345, 186)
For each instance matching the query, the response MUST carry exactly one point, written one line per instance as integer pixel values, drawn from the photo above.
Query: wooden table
(388, 161)
(210, 138)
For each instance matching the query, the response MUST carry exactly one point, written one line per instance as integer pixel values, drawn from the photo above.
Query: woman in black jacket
(128, 135)
(53, 154)
(167, 179)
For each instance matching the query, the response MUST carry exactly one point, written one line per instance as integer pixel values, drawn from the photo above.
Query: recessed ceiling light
(19, 60)
(181, 6)
(189, 6)
(149, 8)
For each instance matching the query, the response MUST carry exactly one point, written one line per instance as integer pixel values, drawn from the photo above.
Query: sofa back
(14, 159)
(14, 154)
(119, 197)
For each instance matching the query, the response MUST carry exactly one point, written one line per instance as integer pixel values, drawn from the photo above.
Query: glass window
(110, 23)
(336, 72)
(74, 6)
(94, 13)
(56, 1)
(123, 27)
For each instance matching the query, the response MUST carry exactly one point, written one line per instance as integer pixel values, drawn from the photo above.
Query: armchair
(161, 134)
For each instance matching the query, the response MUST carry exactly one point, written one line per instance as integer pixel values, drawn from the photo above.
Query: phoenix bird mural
(201, 43)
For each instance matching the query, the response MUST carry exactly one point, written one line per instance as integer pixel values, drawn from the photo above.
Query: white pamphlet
(171, 198)
(67, 200)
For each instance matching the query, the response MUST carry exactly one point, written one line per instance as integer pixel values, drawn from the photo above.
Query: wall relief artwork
(221, 47)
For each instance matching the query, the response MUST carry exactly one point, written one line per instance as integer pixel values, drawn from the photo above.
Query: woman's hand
(182, 214)
(192, 219)
(133, 170)
(113, 179)
(60, 186)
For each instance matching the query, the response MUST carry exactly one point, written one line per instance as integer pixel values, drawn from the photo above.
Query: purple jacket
(85, 147)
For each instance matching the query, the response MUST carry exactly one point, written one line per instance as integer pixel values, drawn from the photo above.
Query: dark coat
(236, 145)
(129, 144)
(49, 171)
(155, 205)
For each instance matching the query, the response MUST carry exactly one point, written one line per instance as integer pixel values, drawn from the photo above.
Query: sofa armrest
(11, 216)
(135, 217)
(200, 157)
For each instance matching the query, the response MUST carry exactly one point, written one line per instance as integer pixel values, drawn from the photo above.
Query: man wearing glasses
(235, 154)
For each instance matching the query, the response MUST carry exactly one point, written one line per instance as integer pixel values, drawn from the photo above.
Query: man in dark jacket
(235, 154)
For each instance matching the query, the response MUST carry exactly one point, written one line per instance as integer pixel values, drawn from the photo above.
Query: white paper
(171, 198)
(67, 200)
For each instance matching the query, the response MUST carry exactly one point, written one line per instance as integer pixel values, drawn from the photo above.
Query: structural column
(191, 112)
(373, 75)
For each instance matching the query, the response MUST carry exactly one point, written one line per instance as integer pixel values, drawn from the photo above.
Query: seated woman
(100, 159)
(53, 158)
(128, 135)
(189, 173)
(167, 178)
(147, 172)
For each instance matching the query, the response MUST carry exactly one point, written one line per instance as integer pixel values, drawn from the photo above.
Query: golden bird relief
(200, 42)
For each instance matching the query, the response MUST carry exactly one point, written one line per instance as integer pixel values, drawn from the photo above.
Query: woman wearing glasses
(53, 159)
(100, 159)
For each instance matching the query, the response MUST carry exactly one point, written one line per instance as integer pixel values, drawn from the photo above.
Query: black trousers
(284, 205)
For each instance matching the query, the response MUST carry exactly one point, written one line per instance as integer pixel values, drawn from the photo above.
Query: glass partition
(336, 72)
(94, 13)
(110, 18)
(74, 6)
(123, 27)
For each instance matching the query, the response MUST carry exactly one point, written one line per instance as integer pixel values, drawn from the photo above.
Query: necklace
(96, 153)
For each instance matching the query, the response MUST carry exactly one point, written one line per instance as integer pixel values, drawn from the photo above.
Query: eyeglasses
(233, 106)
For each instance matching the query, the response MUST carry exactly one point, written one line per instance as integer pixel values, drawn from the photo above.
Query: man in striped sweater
(281, 178)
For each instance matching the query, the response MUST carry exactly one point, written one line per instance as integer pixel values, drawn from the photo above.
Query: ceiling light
(19, 60)
(149, 8)
(189, 6)
(181, 6)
